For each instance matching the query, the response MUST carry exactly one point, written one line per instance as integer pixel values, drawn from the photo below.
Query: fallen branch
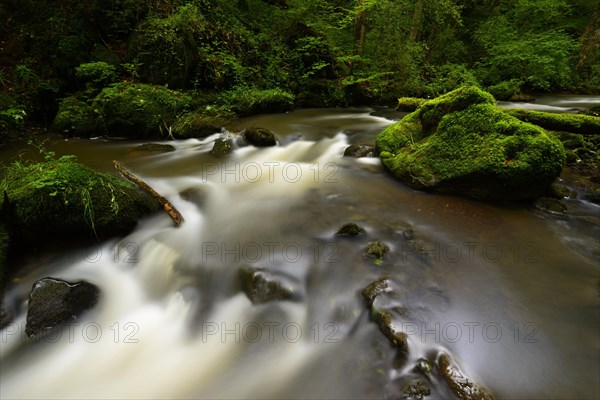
(166, 205)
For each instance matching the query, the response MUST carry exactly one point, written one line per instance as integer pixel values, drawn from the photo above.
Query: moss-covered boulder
(409, 104)
(151, 148)
(136, 110)
(259, 137)
(574, 123)
(197, 125)
(75, 117)
(63, 197)
(350, 229)
(460, 143)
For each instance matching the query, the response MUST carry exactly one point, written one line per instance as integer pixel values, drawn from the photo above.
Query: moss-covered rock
(350, 229)
(151, 148)
(376, 250)
(409, 104)
(75, 117)
(259, 137)
(222, 147)
(360, 150)
(197, 125)
(461, 143)
(551, 206)
(63, 197)
(383, 318)
(575, 123)
(460, 385)
(136, 110)
(262, 286)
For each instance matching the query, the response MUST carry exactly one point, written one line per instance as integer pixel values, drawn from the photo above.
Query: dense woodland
(307, 52)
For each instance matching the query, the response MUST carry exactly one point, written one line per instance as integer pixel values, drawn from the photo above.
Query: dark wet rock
(360, 150)
(376, 250)
(350, 229)
(374, 289)
(403, 230)
(417, 389)
(5, 318)
(291, 138)
(551, 206)
(260, 137)
(151, 148)
(222, 147)
(462, 387)
(423, 367)
(262, 286)
(53, 302)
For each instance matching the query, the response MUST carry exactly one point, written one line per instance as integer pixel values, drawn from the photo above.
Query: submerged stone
(149, 148)
(551, 206)
(360, 150)
(460, 143)
(53, 302)
(262, 287)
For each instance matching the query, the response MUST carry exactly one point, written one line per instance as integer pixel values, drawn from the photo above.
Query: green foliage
(139, 110)
(505, 90)
(96, 75)
(445, 78)
(247, 101)
(76, 117)
(527, 43)
(461, 143)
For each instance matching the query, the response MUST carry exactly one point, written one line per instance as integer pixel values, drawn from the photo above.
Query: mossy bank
(60, 197)
(460, 143)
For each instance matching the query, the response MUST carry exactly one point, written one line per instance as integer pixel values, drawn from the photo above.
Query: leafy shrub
(247, 101)
(76, 117)
(139, 110)
(96, 75)
(505, 90)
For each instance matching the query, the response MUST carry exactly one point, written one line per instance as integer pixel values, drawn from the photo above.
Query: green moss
(76, 118)
(63, 197)
(249, 101)
(221, 148)
(574, 123)
(461, 143)
(197, 125)
(409, 104)
(139, 110)
(505, 90)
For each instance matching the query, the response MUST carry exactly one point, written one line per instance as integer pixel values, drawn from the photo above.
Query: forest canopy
(323, 52)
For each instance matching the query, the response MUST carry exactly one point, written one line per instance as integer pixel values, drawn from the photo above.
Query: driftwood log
(166, 205)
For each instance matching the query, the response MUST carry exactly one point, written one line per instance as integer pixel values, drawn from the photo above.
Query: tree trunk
(360, 31)
(417, 22)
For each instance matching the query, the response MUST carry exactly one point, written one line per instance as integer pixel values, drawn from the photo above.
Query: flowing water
(509, 292)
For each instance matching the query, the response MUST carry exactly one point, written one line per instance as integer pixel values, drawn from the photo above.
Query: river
(510, 292)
